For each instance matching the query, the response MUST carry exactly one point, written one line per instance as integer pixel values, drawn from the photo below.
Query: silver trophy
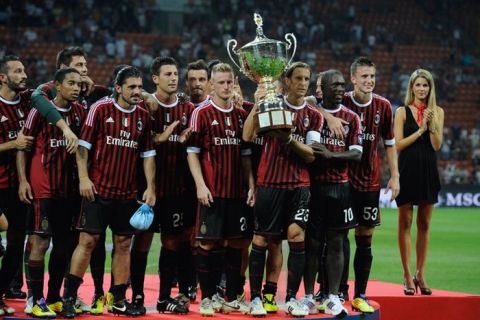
(263, 60)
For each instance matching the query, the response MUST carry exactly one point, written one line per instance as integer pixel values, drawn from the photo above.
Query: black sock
(56, 269)
(322, 269)
(138, 266)
(233, 258)
(97, 265)
(168, 265)
(312, 252)
(36, 269)
(346, 264)
(296, 265)
(186, 269)
(216, 255)
(118, 292)
(72, 283)
(334, 260)
(362, 264)
(241, 285)
(270, 288)
(26, 258)
(12, 260)
(203, 271)
(256, 267)
(112, 279)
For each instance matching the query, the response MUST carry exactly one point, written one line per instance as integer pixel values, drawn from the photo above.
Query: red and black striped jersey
(116, 138)
(217, 138)
(12, 118)
(334, 170)
(52, 169)
(173, 175)
(376, 118)
(279, 166)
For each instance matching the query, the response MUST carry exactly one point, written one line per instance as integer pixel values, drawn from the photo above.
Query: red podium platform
(387, 298)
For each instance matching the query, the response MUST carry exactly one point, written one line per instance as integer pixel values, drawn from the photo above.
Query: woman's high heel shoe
(424, 291)
(407, 290)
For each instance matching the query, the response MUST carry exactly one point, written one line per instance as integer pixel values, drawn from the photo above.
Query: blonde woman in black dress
(418, 133)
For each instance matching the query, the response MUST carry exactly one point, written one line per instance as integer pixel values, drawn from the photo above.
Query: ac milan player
(376, 117)
(14, 107)
(118, 133)
(331, 206)
(197, 83)
(221, 167)
(49, 187)
(283, 188)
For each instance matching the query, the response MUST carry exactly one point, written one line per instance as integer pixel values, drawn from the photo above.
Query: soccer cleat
(138, 305)
(192, 293)
(217, 302)
(171, 305)
(56, 306)
(309, 304)
(256, 308)
(109, 301)
(334, 307)
(182, 299)
(235, 306)
(361, 304)
(41, 310)
(206, 308)
(5, 310)
(322, 305)
(81, 307)
(98, 303)
(28, 306)
(269, 303)
(122, 307)
(294, 308)
(14, 293)
(68, 308)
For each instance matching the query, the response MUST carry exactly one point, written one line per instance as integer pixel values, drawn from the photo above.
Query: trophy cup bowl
(263, 60)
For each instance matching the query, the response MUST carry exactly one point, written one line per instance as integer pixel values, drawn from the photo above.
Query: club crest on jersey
(306, 122)
(240, 123)
(347, 129)
(125, 122)
(227, 121)
(377, 119)
(44, 224)
(77, 120)
(184, 120)
(139, 125)
(20, 113)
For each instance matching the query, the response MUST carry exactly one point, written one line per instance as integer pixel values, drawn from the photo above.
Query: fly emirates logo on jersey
(327, 139)
(123, 140)
(230, 139)
(58, 143)
(367, 136)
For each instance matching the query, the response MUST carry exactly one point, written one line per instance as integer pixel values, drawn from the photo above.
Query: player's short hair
(117, 69)
(125, 73)
(222, 67)
(4, 62)
(60, 74)
(296, 65)
(66, 55)
(328, 75)
(361, 62)
(158, 62)
(197, 65)
(211, 64)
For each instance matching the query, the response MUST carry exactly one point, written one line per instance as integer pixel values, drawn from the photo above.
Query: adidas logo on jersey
(110, 120)
(214, 122)
(3, 119)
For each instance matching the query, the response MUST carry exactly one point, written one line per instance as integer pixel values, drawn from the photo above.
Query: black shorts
(224, 219)
(14, 210)
(332, 206)
(366, 207)
(50, 217)
(276, 209)
(174, 214)
(97, 215)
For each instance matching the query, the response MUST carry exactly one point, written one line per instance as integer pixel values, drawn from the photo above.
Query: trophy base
(274, 119)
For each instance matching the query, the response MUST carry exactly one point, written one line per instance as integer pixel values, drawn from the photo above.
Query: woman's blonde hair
(431, 97)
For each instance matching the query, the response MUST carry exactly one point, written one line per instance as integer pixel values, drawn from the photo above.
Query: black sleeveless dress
(417, 164)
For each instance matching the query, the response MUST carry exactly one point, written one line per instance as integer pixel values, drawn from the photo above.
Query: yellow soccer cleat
(56, 306)
(109, 301)
(97, 305)
(361, 304)
(269, 303)
(41, 310)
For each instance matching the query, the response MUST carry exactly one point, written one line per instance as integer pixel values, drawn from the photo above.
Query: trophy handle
(291, 40)
(234, 42)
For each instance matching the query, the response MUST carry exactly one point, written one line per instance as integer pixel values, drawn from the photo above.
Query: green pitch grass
(453, 257)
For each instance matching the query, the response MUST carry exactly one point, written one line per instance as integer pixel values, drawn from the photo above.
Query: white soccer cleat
(309, 304)
(294, 308)
(28, 306)
(256, 308)
(334, 306)
(206, 308)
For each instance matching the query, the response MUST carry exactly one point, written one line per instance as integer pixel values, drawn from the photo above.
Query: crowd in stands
(207, 25)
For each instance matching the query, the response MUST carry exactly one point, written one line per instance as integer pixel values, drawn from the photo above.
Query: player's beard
(15, 87)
